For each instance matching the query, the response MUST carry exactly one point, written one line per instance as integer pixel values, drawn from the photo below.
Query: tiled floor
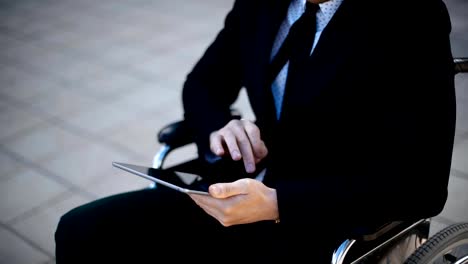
(84, 83)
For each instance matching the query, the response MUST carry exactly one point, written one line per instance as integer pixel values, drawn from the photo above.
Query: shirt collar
(332, 5)
(325, 13)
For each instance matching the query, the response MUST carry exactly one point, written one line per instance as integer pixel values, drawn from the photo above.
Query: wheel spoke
(449, 257)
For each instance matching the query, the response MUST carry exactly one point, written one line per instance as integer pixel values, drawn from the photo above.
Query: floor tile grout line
(35, 210)
(464, 136)
(19, 104)
(108, 99)
(49, 174)
(43, 123)
(26, 240)
(124, 67)
(94, 137)
(459, 174)
(80, 55)
(459, 139)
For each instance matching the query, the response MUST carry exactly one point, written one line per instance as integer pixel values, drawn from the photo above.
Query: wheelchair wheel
(450, 245)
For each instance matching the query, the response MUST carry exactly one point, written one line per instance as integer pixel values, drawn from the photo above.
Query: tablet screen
(181, 181)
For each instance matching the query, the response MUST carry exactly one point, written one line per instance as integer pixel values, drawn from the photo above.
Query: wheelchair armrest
(171, 136)
(176, 134)
(461, 65)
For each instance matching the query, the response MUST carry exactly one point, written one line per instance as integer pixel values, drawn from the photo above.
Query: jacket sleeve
(214, 83)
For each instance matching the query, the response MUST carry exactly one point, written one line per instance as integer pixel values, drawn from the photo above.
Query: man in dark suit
(357, 133)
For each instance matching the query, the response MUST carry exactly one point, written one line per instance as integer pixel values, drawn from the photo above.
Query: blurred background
(84, 83)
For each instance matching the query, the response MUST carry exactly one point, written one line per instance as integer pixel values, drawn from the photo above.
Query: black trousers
(157, 225)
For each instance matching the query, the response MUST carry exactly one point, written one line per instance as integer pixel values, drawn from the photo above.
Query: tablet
(177, 180)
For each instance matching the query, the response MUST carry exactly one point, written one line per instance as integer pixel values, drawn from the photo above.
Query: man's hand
(240, 202)
(241, 139)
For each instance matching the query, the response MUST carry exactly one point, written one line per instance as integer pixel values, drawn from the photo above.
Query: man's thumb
(224, 190)
(218, 190)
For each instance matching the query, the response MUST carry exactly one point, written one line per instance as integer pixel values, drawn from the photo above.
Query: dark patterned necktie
(296, 48)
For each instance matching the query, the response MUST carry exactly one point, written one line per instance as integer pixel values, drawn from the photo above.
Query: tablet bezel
(137, 170)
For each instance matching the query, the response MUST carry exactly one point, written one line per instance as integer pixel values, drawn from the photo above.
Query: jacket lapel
(270, 19)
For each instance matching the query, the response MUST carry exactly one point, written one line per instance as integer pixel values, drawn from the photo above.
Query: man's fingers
(245, 148)
(241, 138)
(222, 138)
(216, 144)
(231, 143)
(259, 148)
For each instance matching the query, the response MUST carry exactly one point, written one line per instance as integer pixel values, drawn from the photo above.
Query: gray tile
(461, 84)
(63, 103)
(59, 40)
(20, 7)
(36, 26)
(40, 228)
(59, 65)
(28, 56)
(14, 20)
(9, 167)
(462, 126)
(456, 208)
(14, 119)
(86, 164)
(14, 250)
(460, 156)
(140, 134)
(163, 39)
(123, 55)
(27, 53)
(11, 18)
(118, 181)
(151, 97)
(27, 86)
(72, 74)
(107, 83)
(158, 66)
(104, 117)
(96, 72)
(122, 33)
(25, 191)
(43, 142)
(7, 43)
(459, 174)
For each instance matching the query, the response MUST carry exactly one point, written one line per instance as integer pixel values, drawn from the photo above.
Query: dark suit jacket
(366, 135)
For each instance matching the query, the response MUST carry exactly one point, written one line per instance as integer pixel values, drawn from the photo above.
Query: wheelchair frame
(176, 135)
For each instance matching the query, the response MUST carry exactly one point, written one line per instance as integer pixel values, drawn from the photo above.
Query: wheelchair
(449, 245)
